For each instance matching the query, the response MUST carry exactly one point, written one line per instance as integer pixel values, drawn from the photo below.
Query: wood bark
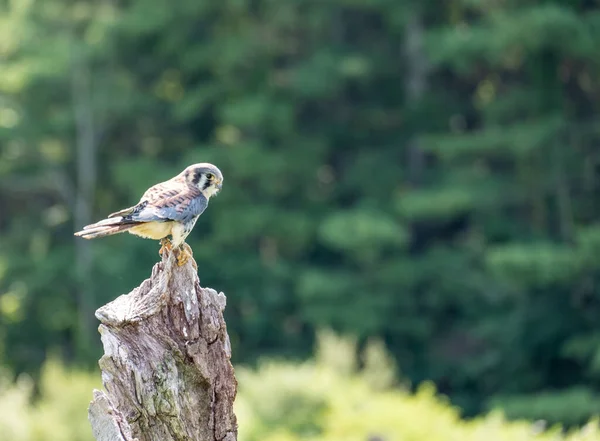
(166, 370)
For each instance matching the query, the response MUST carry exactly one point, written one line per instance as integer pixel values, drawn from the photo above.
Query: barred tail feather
(107, 223)
(106, 227)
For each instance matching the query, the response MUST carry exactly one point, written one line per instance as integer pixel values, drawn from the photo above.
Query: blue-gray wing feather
(169, 201)
(183, 211)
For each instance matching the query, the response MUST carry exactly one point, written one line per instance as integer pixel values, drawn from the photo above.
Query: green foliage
(441, 198)
(571, 406)
(437, 204)
(520, 30)
(336, 396)
(536, 264)
(362, 234)
(59, 413)
(516, 141)
(321, 400)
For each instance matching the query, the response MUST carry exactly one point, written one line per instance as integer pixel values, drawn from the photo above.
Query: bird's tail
(106, 227)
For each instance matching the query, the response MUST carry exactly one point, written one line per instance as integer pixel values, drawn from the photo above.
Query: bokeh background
(408, 233)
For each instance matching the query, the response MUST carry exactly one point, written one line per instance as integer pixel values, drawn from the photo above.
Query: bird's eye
(210, 176)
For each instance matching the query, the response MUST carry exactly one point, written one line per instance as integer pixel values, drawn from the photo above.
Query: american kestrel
(169, 208)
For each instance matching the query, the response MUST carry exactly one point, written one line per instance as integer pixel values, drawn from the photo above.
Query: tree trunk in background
(415, 86)
(166, 368)
(86, 184)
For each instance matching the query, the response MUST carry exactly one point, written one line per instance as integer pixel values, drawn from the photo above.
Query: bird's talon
(182, 258)
(165, 246)
(184, 254)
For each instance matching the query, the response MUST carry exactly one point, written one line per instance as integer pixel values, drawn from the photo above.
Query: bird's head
(207, 177)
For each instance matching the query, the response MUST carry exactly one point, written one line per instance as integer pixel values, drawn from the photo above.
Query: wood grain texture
(166, 370)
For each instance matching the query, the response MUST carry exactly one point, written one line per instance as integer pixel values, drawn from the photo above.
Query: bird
(168, 208)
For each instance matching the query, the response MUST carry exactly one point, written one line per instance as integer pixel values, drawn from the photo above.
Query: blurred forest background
(420, 176)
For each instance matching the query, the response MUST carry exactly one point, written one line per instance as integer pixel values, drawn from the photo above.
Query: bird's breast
(152, 230)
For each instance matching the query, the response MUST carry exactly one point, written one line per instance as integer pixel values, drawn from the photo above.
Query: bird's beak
(220, 185)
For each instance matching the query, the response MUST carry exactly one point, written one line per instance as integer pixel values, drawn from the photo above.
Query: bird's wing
(170, 200)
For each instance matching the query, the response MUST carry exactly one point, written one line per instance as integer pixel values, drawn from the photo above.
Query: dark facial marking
(207, 184)
(196, 178)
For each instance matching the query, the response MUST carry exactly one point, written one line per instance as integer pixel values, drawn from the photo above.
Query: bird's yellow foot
(166, 246)
(184, 254)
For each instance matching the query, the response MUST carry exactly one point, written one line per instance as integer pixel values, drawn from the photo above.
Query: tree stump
(166, 370)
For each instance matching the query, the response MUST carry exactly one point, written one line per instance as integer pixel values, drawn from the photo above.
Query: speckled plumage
(168, 208)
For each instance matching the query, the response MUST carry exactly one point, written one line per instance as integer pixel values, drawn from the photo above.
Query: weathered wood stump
(166, 370)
